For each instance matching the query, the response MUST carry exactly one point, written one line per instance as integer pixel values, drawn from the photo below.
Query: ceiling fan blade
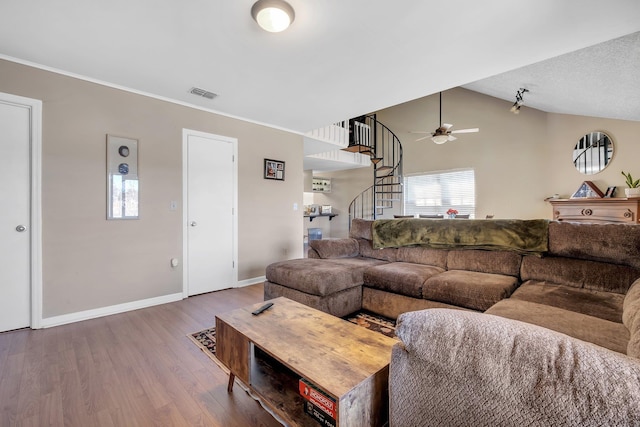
(446, 126)
(451, 138)
(424, 137)
(470, 130)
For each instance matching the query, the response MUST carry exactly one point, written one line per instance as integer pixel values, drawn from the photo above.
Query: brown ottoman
(332, 287)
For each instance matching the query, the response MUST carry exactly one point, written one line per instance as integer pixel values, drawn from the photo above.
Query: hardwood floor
(130, 369)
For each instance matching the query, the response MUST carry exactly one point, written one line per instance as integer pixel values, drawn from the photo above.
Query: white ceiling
(597, 81)
(339, 59)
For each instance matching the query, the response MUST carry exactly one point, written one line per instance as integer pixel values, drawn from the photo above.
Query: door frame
(185, 203)
(35, 165)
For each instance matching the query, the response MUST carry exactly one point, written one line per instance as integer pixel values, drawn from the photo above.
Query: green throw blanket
(525, 236)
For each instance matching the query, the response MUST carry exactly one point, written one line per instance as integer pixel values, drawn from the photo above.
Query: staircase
(368, 136)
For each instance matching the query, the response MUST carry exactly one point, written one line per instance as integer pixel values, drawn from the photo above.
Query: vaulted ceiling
(339, 59)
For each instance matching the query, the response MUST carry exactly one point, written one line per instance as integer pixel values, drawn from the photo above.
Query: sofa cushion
(366, 250)
(421, 255)
(631, 318)
(361, 229)
(594, 275)
(314, 276)
(496, 262)
(335, 248)
(615, 243)
(605, 333)
(605, 305)
(400, 277)
(469, 289)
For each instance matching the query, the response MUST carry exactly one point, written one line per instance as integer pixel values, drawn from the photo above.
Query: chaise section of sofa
(579, 286)
(458, 368)
(330, 280)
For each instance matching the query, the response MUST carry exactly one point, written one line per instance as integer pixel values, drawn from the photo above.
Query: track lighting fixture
(515, 108)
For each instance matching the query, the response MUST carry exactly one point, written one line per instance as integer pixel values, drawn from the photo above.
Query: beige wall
(89, 262)
(565, 130)
(345, 186)
(518, 159)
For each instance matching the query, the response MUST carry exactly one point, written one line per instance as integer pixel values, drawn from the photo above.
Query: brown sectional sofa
(579, 301)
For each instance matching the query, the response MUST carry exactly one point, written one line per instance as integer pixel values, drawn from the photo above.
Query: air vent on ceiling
(203, 93)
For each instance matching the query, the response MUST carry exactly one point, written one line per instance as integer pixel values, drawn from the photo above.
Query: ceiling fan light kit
(443, 133)
(440, 139)
(273, 15)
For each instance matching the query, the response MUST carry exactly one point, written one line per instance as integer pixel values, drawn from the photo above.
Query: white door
(16, 130)
(209, 212)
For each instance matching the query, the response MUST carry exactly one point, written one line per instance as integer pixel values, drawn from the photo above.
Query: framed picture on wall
(274, 169)
(587, 190)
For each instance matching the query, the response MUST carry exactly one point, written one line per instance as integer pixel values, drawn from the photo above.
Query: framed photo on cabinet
(587, 190)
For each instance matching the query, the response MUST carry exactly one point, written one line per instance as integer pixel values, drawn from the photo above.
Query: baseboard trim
(253, 281)
(106, 311)
(128, 306)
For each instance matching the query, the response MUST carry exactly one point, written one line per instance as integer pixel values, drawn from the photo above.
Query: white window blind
(436, 193)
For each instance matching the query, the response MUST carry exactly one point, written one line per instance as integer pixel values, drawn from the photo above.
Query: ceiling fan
(444, 132)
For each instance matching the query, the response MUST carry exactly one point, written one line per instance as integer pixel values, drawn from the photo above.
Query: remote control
(261, 309)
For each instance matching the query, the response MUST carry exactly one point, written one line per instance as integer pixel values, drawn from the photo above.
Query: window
(436, 193)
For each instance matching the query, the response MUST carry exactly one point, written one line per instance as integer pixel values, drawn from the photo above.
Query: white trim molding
(249, 282)
(65, 319)
(107, 311)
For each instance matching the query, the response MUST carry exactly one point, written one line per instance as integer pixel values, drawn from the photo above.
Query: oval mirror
(593, 153)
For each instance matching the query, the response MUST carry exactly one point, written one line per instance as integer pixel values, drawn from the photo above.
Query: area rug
(374, 322)
(205, 340)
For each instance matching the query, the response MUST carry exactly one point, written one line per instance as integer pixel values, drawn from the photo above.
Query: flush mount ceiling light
(273, 15)
(515, 108)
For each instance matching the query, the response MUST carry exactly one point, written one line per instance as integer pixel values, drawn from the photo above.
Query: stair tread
(358, 148)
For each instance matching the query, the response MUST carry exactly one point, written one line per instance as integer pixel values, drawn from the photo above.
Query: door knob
(21, 228)
(193, 223)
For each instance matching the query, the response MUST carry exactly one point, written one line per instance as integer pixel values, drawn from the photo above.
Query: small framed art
(274, 169)
(611, 192)
(587, 190)
(122, 178)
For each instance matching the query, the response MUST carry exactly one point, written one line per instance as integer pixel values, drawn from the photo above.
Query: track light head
(515, 108)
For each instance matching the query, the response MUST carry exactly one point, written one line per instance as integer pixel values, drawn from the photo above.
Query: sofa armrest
(335, 248)
(465, 368)
(631, 318)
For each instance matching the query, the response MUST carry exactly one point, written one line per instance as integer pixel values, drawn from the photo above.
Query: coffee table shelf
(272, 351)
(276, 383)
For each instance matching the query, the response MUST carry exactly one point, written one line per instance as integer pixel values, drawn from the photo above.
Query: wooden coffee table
(270, 352)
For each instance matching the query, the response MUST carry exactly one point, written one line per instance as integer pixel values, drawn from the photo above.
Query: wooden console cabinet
(603, 210)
